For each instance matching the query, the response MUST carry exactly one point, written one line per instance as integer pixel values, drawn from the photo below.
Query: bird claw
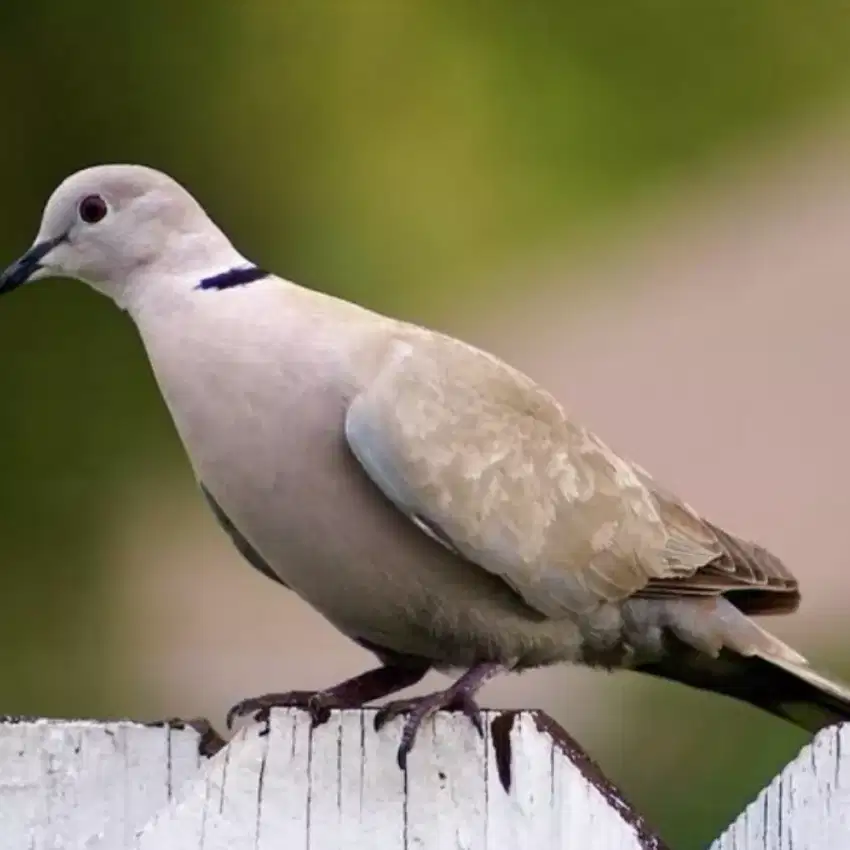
(209, 740)
(419, 709)
(317, 703)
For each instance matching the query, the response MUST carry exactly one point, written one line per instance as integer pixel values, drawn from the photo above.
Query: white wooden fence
(115, 786)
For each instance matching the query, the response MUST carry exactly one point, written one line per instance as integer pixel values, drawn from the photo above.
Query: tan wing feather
(489, 462)
(757, 581)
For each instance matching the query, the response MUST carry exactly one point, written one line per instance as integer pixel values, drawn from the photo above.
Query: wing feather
(487, 463)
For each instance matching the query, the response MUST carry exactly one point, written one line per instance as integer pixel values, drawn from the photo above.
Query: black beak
(21, 271)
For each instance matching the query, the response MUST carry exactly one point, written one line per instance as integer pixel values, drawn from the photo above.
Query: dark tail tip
(762, 683)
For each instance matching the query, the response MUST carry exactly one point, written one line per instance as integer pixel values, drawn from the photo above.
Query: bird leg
(459, 696)
(352, 693)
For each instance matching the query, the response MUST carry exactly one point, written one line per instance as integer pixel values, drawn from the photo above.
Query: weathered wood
(81, 784)
(129, 786)
(805, 807)
(525, 785)
(117, 786)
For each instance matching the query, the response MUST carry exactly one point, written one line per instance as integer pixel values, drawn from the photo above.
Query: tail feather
(784, 687)
(813, 700)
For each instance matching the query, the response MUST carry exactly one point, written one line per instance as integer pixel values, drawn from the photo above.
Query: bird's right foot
(317, 703)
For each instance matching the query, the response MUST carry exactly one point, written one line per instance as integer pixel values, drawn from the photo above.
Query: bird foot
(395, 674)
(317, 703)
(209, 740)
(455, 698)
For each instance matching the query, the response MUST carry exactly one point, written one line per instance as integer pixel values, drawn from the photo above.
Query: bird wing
(487, 463)
(757, 581)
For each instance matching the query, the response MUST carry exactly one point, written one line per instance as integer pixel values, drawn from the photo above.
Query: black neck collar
(233, 277)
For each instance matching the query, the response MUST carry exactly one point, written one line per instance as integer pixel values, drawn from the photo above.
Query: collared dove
(433, 503)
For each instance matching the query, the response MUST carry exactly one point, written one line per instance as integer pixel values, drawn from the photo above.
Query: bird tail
(797, 692)
(764, 672)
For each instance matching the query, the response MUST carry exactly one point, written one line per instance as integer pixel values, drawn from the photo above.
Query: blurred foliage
(691, 761)
(387, 151)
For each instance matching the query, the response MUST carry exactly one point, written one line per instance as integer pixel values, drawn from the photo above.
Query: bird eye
(92, 209)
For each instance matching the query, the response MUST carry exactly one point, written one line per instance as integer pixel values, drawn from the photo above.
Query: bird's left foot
(458, 697)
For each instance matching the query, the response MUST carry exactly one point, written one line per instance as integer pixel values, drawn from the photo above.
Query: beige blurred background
(646, 208)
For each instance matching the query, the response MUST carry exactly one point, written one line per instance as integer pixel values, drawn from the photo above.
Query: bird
(436, 505)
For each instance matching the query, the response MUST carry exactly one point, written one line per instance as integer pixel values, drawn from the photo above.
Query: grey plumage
(243, 546)
(432, 502)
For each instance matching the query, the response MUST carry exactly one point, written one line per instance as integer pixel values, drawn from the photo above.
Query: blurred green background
(402, 154)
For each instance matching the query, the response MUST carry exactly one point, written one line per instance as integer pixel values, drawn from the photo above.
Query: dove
(436, 505)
